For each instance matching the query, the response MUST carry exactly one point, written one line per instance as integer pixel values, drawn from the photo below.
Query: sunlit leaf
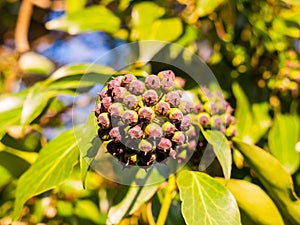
(205, 7)
(86, 209)
(221, 149)
(75, 5)
(274, 178)
(146, 13)
(135, 197)
(283, 136)
(256, 207)
(53, 166)
(93, 18)
(206, 201)
(166, 29)
(31, 62)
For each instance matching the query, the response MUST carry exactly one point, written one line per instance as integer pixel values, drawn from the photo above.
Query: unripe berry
(136, 87)
(162, 108)
(136, 132)
(231, 131)
(191, 132)
(146, 114)
(173, 98)
(150, 97)
(153, 131)
(198, 108)
(152, 82)
(145, 146)
(216, 121)
(175, 115)
(130, 117)
(211, 107)
(204, 119)
(103, 120)
(168, 129)
(131, 101)
(178, 138)
(164, 144)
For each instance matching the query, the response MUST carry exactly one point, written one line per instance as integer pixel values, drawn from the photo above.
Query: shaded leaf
(14, 164)
(86, 209)
(221, 149)
(31, 62)
(206, 201)
(275, 179)
(282, 138)
(135, 197)
(255, 205)
(53, 166)
(93, 18)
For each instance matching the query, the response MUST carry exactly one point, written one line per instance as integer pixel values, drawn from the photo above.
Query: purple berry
(198, 108)
(146, 114)
(166, 74)
(115, 134)
(185, 123)
(130, 117)
(216, 121)
(162, 108)
(145, 146)
(115, 82)
(97, 109)
(119, 93)
(136, 87)
(116, 110)
(186, 107)
(106, 102)
(131, 101)
(175, 115)
(169, 129)
(172, 153)
(153, 131)
(127, 79)
(164, 144)
(152, 82)
(103, 94)
(167, 85)
(103, 120)
(150, 97)
(136, 132)
(173, 98)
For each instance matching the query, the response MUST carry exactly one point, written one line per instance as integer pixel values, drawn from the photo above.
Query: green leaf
(256, 120)
(75, 5)
(86, 209)
(221, 149)
(14, 164)
(135, 197)
(5, 176)
(205, 7)
(166, 29)
(88, 144)
(146, 13)
(206, 201)
(53, 166)
(93, 18)
(275, 179)
(255, 205)
(35, 102)
(31, 62)
(282, 138)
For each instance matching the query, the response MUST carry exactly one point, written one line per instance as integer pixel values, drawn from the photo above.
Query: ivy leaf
(274, 178)
(135, 196)
(255, 205)
(53, 166)
(221, 149)
(206, 201)
(282, 138)
(93, 18)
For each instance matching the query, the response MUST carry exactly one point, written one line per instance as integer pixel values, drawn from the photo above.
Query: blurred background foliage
(253, 48)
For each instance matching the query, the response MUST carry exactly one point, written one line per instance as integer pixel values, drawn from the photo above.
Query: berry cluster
(147, 120)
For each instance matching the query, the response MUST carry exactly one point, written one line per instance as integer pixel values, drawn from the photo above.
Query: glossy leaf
(35, 102)
(134, 198)
(166, 29)
(93, 18)
(275, 179)
(255, 205)
(53, 166)
(282, 138)
(31, 62)
(206, 201)
(221, 149)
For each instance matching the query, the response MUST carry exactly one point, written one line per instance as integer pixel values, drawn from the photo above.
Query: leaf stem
(170, 192)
